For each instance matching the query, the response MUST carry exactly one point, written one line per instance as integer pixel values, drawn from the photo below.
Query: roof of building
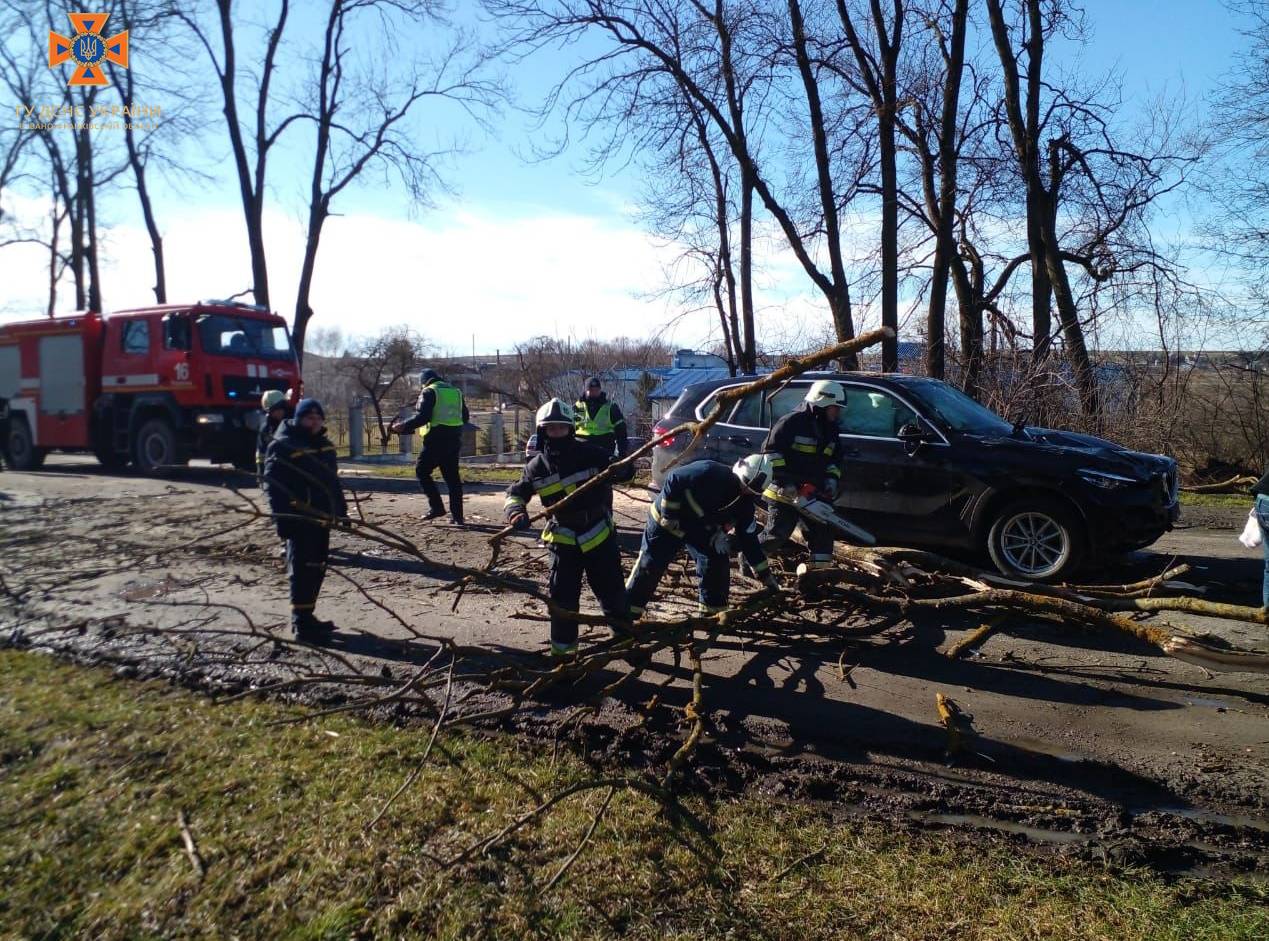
(676, 380)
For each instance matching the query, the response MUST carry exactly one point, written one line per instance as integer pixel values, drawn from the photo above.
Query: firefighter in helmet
(599, 421)
(581, 537)
(442, 412)
(707, 508)
(273, 406)
(301, 480)
(806, 453)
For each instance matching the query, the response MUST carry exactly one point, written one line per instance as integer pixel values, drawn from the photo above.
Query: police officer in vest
(806, 455)
(599, 421)
(707, 508)
(581, 537)
(440, 419)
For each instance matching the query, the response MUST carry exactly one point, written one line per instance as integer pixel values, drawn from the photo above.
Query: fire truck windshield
(226, 335)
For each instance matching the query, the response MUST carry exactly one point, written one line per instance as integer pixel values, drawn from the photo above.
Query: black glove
(520, 521)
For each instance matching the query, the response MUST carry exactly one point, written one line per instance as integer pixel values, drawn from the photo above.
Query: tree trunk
(839, 291)
(749, 349)
(53, 258)
(890, 243)
(84, 154)
(945, 239)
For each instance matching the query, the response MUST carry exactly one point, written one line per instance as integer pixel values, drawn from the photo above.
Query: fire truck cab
(154, 386)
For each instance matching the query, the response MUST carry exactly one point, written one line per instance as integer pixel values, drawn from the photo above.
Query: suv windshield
(226, 335)
(956, 409)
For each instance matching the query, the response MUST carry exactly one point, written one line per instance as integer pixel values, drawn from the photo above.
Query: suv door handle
(738, 439)
(850, 452)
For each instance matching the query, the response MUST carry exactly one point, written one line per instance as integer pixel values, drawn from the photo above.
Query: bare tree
(250, 166)
(360, 116)
(648, 43)
(877, 68)
(380, 364)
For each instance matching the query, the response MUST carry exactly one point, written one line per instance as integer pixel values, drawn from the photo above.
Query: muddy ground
(1089, 744)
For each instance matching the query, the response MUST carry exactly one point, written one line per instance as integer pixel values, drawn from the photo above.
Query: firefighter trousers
(602, 568)
(307, 549)
(440, 450)
(782, 520)
(658, 550)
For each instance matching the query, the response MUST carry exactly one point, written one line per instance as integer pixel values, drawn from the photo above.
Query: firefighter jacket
(600, 418)
(805, 448)
(554, 473)
(440, 405)
(698, 500)
(301, 476)
(268, 428)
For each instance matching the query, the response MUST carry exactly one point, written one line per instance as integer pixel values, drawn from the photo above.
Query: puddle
(1034, 834)
(148, 589)
(1213, 703)
(1198, 815)
(1047, 749)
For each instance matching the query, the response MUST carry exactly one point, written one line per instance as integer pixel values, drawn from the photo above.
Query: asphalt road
(1095, 728)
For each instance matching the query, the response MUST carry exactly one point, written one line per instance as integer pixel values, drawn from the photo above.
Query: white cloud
(502, 277)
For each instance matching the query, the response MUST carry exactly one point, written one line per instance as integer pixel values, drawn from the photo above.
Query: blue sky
(524, 248)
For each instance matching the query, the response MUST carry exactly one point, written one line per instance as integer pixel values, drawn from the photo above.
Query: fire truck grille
(250, 388)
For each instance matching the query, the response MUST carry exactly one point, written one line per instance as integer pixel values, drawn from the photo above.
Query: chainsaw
(821, 511)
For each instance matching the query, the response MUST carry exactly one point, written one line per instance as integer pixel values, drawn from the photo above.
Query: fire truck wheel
(23, 454)
(154, 451)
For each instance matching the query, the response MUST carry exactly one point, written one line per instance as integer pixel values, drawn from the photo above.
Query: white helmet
(555, 412)
(272, 399)
(826, 392)
(754, 471)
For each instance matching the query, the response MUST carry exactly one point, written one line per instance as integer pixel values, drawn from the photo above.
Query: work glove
(829, 490)
(720, 542)
(520, 521)
(806, 490)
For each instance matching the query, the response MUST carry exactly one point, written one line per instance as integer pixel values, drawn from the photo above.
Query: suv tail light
(660, 428)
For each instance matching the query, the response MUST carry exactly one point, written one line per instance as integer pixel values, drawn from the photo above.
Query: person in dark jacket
(581, 537)
(301, 480)
(599, 421)
(273, 407)
(708, 508)
(806, 454)
(442, 412)
(1261, 491)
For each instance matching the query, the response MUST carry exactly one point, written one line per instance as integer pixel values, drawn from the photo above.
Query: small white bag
(1250, 536)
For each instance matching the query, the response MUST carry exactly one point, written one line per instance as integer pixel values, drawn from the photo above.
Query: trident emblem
(88, 48)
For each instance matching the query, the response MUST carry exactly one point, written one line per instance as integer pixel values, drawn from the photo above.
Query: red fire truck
(154, 386)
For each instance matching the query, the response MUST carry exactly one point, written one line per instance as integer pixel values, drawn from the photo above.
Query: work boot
(458, 521)
(310, 630)
(563, 653)
(433, 513)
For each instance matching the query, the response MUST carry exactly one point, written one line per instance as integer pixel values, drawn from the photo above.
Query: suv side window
(786, 400)
(873, 413)
(748, 413)
(136, 337)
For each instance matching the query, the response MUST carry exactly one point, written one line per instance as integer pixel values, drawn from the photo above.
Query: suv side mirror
(913, 435)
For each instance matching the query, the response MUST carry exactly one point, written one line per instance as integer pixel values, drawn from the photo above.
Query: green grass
(1236, 500)
(94, 773)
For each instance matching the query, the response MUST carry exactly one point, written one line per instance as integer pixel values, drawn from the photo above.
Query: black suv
(926, 465)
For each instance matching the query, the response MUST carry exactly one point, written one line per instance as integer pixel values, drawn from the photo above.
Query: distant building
(688, 367)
